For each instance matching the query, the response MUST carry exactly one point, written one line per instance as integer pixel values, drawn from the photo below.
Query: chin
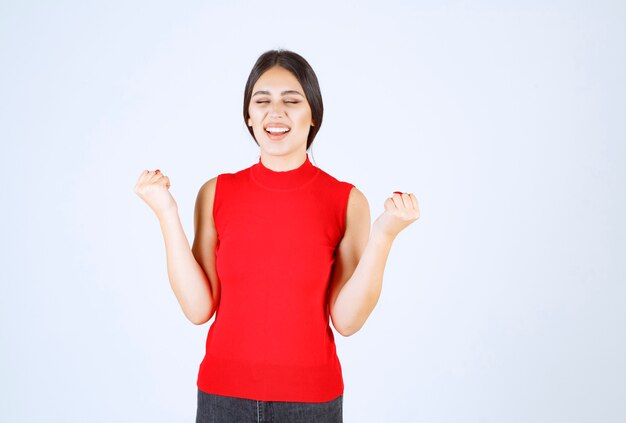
(274, 150)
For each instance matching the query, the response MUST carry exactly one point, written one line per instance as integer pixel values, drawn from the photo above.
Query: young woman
(281, 249)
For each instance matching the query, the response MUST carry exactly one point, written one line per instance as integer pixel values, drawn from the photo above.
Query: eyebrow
(283, 93)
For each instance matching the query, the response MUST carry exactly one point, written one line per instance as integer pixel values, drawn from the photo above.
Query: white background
(504, 302)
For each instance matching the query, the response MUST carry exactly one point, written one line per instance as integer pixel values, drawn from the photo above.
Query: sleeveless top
(277, 234)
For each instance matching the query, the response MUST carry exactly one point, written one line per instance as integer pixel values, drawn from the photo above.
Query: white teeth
(277, 130)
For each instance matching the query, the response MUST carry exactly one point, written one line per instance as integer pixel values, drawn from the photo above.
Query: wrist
(168, 214)
(379, 236)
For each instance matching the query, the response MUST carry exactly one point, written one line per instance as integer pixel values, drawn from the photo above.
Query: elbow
(349, 323)
(198, 320)
(346, 333)
(200, 317)
(345, 330)
(200, 312)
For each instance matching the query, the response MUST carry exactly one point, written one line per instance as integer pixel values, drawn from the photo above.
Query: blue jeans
(222, 409)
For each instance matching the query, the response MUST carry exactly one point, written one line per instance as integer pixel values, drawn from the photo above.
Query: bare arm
(191, 271)
(205, 242)
(361, 257)
(193, 285)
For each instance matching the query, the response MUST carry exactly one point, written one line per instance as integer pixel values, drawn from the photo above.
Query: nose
(276, 111)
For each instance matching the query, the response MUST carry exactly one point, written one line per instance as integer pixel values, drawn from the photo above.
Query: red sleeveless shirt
(277, 233)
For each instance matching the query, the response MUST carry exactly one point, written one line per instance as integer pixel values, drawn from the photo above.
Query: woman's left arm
(361, 256)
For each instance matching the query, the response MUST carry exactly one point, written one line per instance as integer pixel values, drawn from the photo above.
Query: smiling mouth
(276, 131)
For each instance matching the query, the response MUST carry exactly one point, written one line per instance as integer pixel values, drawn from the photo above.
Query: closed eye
(267, 101)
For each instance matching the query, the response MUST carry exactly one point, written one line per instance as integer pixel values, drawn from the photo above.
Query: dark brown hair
(303, 72)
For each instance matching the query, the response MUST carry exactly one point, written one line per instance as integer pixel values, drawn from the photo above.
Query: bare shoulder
(357, 204)
(358, 219)
(208, 188)
(207, 191)
(204, 203)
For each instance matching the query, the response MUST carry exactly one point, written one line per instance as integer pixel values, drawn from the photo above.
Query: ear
(249, 122)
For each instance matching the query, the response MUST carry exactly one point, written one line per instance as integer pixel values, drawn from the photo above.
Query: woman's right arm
(191, 272)
(205, 242)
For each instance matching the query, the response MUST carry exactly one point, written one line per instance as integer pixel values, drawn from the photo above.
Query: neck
(283, 163)
(294, 178)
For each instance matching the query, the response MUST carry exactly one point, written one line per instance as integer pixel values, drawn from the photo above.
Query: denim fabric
(222, 409)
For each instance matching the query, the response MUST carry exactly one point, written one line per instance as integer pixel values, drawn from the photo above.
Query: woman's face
(280, 114)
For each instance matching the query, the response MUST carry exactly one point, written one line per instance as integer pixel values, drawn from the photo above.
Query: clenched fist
(153, 188)
(400, 211)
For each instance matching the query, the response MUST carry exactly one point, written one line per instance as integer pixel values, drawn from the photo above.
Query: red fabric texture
(277, 234)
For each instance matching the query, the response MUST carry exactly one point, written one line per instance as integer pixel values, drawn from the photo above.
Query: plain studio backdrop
(504, 302)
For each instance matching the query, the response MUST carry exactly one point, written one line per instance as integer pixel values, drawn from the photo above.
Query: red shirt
(277, 233)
